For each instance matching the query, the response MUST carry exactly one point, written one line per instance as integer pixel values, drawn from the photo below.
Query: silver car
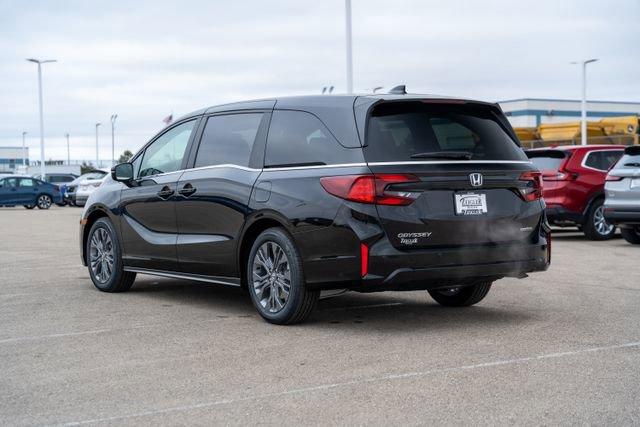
(622, 192)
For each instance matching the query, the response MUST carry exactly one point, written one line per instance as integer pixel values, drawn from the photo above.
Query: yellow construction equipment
(614, 130)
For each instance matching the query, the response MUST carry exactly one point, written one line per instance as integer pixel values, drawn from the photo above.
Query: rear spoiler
(632, 150)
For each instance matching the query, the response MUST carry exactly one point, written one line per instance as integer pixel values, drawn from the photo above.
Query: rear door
(9, 191)
(462, 165)
(212, 197)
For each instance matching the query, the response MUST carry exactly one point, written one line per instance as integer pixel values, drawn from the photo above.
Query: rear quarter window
(298, 138)
(602, 160)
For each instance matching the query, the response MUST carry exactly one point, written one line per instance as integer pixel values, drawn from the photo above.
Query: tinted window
(228, 139)
(10, 182)
(602, 160)
(61, 178)
(547, 159)
(27, 182)
(165, 153)
(397, 131)
(299, 138)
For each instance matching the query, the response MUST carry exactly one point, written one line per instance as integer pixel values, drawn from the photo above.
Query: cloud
(145, 59)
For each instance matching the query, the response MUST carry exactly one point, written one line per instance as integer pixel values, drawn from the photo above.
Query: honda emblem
(475, 179)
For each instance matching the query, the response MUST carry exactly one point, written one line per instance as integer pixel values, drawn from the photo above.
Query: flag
(168, 119)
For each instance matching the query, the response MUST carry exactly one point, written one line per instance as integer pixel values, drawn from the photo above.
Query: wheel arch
(253, 227)
(94, 215)
(595, 196)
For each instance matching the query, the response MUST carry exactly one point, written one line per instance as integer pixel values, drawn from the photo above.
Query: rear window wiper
(461, 155)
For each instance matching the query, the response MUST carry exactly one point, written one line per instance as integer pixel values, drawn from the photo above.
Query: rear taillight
(371, 189)
(613, 178)
(533, 189)
(559, 176)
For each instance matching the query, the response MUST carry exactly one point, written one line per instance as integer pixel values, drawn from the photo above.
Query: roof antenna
(399, 90)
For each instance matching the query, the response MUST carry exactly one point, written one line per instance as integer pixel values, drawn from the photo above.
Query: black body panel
(197, 222)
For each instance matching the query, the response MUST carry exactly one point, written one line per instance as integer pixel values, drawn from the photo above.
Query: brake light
(613, 178)
(533, 189)
(370, 189)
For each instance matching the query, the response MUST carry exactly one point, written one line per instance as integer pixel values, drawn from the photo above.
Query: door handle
(187, 190)
(165, 193)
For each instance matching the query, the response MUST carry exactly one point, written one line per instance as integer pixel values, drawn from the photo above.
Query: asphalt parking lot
(558, 347)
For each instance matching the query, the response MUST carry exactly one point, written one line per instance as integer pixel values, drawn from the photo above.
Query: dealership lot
(560, 346)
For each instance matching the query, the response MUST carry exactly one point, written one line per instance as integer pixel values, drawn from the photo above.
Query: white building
(533, 111)
(11, 158)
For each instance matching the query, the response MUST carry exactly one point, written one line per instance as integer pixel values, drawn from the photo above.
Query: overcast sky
(146, 59)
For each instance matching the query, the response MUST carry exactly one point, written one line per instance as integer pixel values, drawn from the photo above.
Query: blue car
(28, 192)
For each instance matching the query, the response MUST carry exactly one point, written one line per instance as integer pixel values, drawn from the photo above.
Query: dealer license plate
(471, 204)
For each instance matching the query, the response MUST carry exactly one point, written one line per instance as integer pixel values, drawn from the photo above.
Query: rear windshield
(628, 162)
(547, 160)
(417, 131)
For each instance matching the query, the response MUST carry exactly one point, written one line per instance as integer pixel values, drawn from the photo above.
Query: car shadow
(386, 311)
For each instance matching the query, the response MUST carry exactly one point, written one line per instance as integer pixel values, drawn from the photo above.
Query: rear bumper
(622, 215)
(392, 270)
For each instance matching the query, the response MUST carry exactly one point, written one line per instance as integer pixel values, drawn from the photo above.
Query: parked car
(622, 203)
(573, 188)
(78, 190)
(292, 196)
(59, 179)
(29, 192)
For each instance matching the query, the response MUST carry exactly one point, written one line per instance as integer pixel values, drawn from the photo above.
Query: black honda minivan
(287, 197)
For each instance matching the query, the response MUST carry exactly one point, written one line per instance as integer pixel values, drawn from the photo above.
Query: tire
(29, 206)
(44, 201)
(278, 307)
(462, 296)
(596, 227)
(631, 235)
(103, 245)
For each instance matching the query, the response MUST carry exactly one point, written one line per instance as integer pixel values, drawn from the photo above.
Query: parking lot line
(388, 377)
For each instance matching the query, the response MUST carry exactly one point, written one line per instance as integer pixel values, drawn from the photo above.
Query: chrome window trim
(345, 165)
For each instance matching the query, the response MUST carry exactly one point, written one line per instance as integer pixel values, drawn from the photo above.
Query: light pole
(583, 104)
(97, 155)
(347, 7)
(68, 151)
(113, 145)
(24, 150)
(39, 62)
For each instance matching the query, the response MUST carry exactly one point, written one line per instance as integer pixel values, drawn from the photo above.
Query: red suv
(573, 189)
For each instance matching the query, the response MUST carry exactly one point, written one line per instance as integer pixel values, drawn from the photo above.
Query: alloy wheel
(101, 255)
(44, 202)
(601, 225)
(271, 277)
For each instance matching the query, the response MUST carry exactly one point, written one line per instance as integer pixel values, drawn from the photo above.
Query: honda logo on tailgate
(476, 179)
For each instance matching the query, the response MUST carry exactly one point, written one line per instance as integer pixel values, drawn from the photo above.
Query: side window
(602, 160)
(10, 183)
(27, 182)
(165, 153)
(299, 138)
(228, 139)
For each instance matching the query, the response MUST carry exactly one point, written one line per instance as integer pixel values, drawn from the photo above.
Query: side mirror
(122, 172)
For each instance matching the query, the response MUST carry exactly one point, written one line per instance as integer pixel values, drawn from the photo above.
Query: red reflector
(364, 259)
(371, 189)
(533, 191)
